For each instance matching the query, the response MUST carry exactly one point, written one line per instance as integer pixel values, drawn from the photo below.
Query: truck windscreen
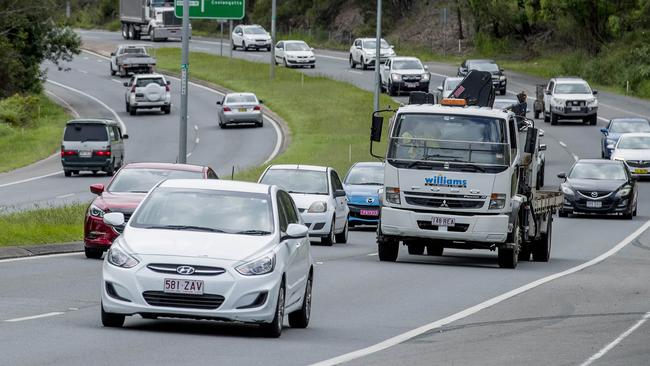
(451, 139)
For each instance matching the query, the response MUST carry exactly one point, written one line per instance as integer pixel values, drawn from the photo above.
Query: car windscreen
(366, 175)
(234, 99)
(572, 88)
(295, 46)
(85, 132)
(205, 210)
(373, 44)
(407, 65)
(143, 82)
(634, 142)
(627, 126)
(598, 171)
(297, 181)
(141, 180)
(484, 66)
(452, 84)
(254, 30)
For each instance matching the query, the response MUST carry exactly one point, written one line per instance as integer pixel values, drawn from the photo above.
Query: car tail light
(257, 108)
(103, 152)
(68, 152)
(227, 109)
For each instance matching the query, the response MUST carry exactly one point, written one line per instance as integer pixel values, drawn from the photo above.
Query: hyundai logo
(185, 270)
(370, 200)
(594, 194)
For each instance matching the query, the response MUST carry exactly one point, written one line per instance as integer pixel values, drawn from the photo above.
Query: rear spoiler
(476, 89)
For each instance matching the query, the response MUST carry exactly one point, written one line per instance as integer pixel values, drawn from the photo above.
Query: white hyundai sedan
(319, 195)
(210, 249)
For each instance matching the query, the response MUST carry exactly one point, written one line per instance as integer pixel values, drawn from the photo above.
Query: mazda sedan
(210, 249)
(599, 187)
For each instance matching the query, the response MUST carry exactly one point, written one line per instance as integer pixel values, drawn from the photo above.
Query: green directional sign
(212, 9)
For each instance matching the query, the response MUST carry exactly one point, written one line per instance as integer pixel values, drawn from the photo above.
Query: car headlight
(259, 266)
(497, 201)
(392, 195)
(317, 207)
(623, 192)
(558, 102)
(567, 190)
(95, 211)
(425, 77)
(117, 257)
(592, 102)
(396, 77)
(502, 77)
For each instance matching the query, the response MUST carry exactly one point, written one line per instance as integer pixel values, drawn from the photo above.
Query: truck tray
(544, 201)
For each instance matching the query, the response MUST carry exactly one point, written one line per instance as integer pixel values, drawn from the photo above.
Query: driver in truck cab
(410, 138)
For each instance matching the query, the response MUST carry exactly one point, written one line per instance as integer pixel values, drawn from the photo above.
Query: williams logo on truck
(443, 181)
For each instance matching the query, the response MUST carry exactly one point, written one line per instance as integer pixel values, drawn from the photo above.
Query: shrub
(19, 111)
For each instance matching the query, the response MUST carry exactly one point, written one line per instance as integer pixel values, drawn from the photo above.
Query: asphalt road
(358, 301)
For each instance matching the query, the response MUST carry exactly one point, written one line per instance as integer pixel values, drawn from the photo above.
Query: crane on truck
(462, 175)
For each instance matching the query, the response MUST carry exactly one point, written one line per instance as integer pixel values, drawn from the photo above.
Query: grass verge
(43, 225)
(39, 138)
(329, 120)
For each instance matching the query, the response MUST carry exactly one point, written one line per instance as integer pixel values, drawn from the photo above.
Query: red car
(124, 193)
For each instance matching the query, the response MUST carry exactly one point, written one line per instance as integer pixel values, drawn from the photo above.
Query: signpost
(198, 9)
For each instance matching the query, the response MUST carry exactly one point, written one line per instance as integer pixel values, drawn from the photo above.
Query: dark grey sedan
(240, 108)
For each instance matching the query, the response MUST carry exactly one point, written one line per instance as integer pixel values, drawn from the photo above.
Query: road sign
(212, 9)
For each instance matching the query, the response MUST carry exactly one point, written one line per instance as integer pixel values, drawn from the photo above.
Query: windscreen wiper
(186, 227)
(253, 232)
(474, 167)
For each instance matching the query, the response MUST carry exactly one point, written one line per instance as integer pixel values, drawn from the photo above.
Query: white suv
(147, 91)
(570, 98)
(250, 37)
(363, 52)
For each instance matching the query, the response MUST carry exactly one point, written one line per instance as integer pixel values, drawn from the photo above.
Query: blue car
(362, 184)
(615, 128)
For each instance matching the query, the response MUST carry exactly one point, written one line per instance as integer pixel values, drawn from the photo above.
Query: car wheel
(628, 215)
(94, 172)
(128, 107)
(67, 173)
(593, 120)
(222, 125)
(415, 248)
(268, 49)
(93, 253)
(434, 249)
(232, 45)
(244, 46)
(110, 319)
(111, 169)
(502, 92)
(634, 212)
(363, 64)
(132, 111)
(536, 115)
(259, 124)
(542, 247)
(167, 109)
(74, 172)
(353, 64)
(284, 61)
(274, 328)
(330, 238)
(110, 65)
(300, 318)
(312, 66)
(547, 119)
(554, 118)
(342, 238)
(387, 248)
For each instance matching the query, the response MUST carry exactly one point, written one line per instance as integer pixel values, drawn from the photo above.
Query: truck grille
(169, 19)
(411, 78)
(206, 301)
(443, 203)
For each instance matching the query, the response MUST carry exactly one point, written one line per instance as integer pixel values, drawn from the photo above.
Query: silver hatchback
(237, 108)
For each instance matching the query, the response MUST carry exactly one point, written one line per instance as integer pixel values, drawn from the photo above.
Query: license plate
(411, 85)
(369, 212)
(191, 287)
(443, 221)
(575, 109)
(640, 171)
(85, 154)
(594, 204)
(242, 109)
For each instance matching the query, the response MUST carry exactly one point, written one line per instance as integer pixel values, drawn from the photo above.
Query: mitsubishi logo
(594, 194)
(444, 204)
(185, 270)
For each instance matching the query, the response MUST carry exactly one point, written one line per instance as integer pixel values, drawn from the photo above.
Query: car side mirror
(168, 82)
(311, 49)
(126, 83)
(376, 128)
(112, 53)
(560, 175)
(501, 70)
(440, 88)
(97, 188)
(541, 133)
(114, 219)
(296, 231)
(125, 137)
(604, 131)
(218, 102)
(542, 147)
(426, 67)
(594, 92)
(339, 193)
(261, 101)
(547, 92)
(391, 46)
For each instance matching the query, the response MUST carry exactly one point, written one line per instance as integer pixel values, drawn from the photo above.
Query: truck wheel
(435, 250)
(130, 31)
(387, 248)
(125, 33)
(554, 119)
(542, 248)
(415, 248)
(524, 253)
(508, 257)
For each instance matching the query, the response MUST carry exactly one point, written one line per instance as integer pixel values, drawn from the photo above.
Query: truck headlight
(567, 190)
(623, 192)
(558, 102)
(117, 257)
(317, 207)
(392, 195)
(95, 211)
(497, 201)
(502, 77)
(396, 77)
(259, 266)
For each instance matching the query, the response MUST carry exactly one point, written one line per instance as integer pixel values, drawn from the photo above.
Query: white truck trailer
(463, 177)
(152, 18)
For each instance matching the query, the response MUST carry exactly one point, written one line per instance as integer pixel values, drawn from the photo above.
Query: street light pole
(182, 138)
(377, 57)
(273, 15)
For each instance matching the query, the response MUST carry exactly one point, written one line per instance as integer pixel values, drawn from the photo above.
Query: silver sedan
(236, 108)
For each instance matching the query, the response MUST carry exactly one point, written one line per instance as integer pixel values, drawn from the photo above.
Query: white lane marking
(72, 110)
(332, 57)
(561, 143)
(38, 257)
(34, 317)
(117, 81)
(30, 179)
(117, 118)
(100, 61)
(196, 127)
(355, 72)
(575, 157)
(372, 254)
(616, 341)
(85, 58)
(196, 141)
(319, 263)
(65, 195)
(83, 71)
(622, 110)
(201, 48)
(604, 119)
(482, 306)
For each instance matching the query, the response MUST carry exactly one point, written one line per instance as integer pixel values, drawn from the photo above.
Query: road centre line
(19, 259)
(117, 81)
(561, 143)
(616, 341)
(575, 157)
(30, 179)
(67, 105)
(65, 195)
(34, 317)
(355, 72)
(482, 306)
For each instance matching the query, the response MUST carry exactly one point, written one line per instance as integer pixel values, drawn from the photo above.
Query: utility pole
(221, 38)
(377, 57)
(185, 65)
(67, 9)
(273, 15)
(230, 38)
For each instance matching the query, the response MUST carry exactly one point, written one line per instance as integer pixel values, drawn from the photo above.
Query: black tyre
(353, 64)
(167, 109)
(330, 238)
(536, 114)
(244, 46)
(259, 124)
(110, 66)
(300, 318)
(268, 49)
(313, 66)
(524, 254)
(503, 92)
(133, 111)
(415, 248)
(435, 250)
(593, 120)
(274, 328)
(542, 247)
(232, 45)
(74, 172)
(547, 118)
(284, 61)
(128, 107)
(634, 212)
(342, 237)
(130, 31)
(93, 253)
(112, 320)
(387, 248)
(149, 316)
(540, 178)
(363, 64)
(554, 119)
(628, 215)
(110, 170)
(125, 34)
(67, 173)
(508, 257)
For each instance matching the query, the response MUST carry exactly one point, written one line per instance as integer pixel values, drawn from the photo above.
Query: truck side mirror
(377, 127)
(531, 140)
